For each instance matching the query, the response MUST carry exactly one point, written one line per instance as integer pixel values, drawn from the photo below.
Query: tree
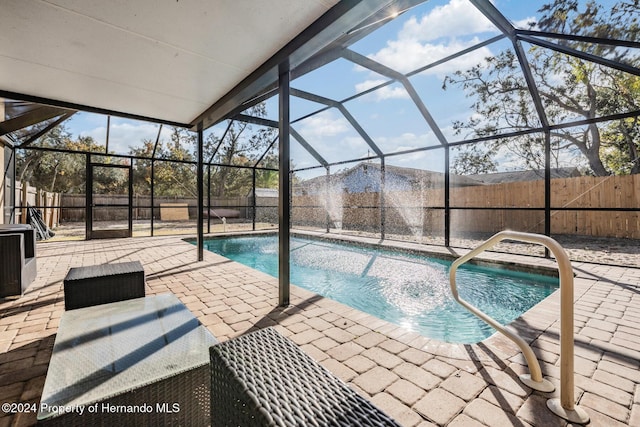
(174, 164)
(174, 171)
(268, 178)
(61, 172)
(142, 167)
(571, 89)
(472, 161)
(243, 145)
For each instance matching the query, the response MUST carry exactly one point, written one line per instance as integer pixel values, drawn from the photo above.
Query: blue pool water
(410, 291)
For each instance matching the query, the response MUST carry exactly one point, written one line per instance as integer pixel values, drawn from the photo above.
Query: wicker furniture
(141, 362)
(17, 258)
(102, 284)
(264, 379)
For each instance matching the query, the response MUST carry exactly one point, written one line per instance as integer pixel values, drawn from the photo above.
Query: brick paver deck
(418, 381)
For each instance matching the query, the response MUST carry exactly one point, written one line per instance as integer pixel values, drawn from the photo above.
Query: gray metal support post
(200, 174)
(253, 199)
(153, 166)
(88, 223)
(208, 199)
(284, 199)
(130, 189)
(447, 206)
(327, 196)
(547, 188)
(383, 210)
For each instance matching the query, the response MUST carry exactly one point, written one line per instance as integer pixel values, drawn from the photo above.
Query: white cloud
(385, 92)
(98, 134)
(432, 160)
(406, 141)
(443, 31)
(409, 55)
(456, 18)
(124, 135)
(323, 125)
(354, 142)
(526, 23)
(368, 84)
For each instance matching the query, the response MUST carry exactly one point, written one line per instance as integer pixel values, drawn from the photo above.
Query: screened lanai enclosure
(435, 122)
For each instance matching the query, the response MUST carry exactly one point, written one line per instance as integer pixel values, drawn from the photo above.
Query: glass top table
(111, 349)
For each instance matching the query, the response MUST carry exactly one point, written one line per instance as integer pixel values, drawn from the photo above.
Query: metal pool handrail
(564, 407)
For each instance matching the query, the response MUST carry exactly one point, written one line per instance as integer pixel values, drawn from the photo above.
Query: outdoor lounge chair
(18, 258)
(263, 378)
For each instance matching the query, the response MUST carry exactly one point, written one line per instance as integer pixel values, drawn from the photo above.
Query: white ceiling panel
(167, 60)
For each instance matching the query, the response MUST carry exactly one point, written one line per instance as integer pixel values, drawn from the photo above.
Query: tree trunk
(55, 175)
(593, 152)
(631, 146)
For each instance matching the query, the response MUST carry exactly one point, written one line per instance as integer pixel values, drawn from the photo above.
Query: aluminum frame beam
(37, 115)
(347, 115)
(582, 55)
(44, 131)
(395, 75)
(308, 147)
(320, 34)
(493, 14)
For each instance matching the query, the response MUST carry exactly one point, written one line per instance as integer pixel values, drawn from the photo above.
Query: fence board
(577, 192)
(408, 210)
(27, 195)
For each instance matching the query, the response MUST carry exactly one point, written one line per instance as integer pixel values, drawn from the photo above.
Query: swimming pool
(409, 290)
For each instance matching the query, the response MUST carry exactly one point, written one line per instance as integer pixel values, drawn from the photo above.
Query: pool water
(408, 290)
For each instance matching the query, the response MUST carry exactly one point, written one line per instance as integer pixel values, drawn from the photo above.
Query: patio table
(142, 361)
(264, 379)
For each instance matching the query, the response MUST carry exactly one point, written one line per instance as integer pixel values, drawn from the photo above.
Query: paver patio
(418, 381)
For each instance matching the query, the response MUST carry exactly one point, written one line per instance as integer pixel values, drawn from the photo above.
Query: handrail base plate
(544, 386)
(575, 415)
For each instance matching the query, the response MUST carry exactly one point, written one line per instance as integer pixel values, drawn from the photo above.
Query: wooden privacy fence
(73, 206)
(412, 211)
(422, 211)
(48, 203)
(586, 192)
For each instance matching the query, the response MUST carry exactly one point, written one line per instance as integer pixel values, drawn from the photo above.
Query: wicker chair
(18, 266)
(264, 379)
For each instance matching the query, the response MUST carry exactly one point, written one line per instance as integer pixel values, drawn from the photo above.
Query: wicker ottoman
(102, 284)
(264, 379)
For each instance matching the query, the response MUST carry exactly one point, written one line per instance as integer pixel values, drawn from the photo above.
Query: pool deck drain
(418, 381)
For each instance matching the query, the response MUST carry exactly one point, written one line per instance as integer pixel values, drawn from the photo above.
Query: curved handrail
(566, 407)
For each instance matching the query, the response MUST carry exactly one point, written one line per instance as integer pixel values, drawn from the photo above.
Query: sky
(419, 36)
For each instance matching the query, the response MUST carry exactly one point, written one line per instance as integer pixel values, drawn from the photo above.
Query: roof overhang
(180, 62)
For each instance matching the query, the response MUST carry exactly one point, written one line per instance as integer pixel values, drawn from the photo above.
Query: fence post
(39, 201)
(45, 206)
(23, 202)
(59, 209)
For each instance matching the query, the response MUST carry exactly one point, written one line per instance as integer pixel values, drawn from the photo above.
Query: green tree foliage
(268, 178)
(177, 177)
(174, 170)
(473, 161)
(243, 145)
(142, 167)
(571, 89)
(174, 167)
(109, 180)
(65, 172)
